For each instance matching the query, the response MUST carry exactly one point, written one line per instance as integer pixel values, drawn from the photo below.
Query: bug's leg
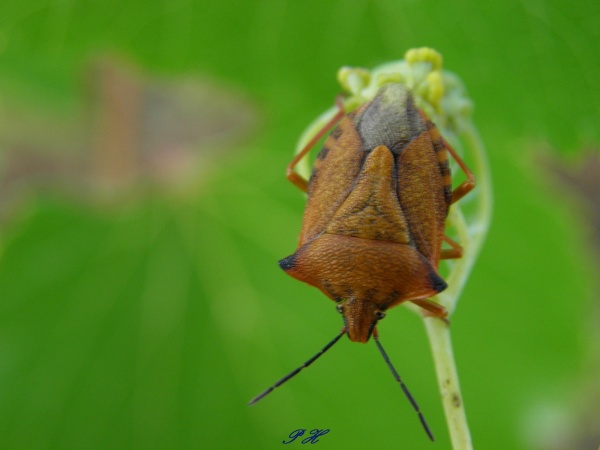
(294, 177)
(451, 253)
(432, 309)
(466, 186)
(441, 146)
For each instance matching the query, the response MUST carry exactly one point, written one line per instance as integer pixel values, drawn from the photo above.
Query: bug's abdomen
(382, 174)
(439, 145)
(422, 194)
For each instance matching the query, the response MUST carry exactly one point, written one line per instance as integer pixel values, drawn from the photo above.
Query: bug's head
(360, 318)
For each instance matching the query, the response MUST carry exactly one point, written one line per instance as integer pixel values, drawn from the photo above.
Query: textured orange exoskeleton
(375, 218)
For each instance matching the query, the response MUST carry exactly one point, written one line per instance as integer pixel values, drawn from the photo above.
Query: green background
(151, 321)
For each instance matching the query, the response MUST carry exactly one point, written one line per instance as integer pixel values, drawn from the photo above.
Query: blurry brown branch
(132, 130)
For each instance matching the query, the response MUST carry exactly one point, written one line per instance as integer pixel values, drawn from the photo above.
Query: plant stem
(438, 333)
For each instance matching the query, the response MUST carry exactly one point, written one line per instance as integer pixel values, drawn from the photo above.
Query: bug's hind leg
(293, 176)
(451, 253)
(466, 186)
(432, 309)
(441, 147)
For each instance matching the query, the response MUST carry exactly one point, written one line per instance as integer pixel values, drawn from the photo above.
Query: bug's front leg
(293, 176)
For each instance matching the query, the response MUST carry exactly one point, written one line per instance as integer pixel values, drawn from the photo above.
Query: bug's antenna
(295, 372)
(404, 388)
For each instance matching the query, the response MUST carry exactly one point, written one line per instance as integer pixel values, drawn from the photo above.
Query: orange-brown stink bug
(374, 222)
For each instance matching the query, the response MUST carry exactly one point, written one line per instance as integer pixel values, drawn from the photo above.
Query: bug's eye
(379, 315)
(340, 309)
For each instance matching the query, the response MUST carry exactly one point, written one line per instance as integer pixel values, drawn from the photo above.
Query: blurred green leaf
(151, 324)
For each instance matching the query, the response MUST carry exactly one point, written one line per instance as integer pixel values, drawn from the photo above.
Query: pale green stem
(438, 333)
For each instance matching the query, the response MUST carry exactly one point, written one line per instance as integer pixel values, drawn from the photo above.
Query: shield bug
(374, 222)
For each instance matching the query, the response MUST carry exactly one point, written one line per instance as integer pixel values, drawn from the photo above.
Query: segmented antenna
(295, 372)
(404, 388)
